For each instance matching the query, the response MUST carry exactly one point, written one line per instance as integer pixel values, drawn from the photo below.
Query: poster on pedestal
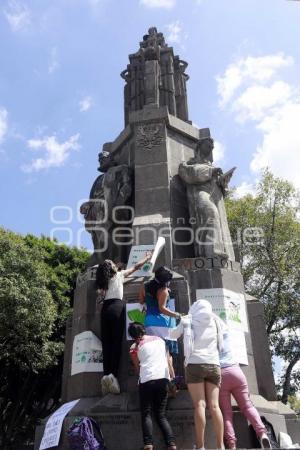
(139, 252)
(87, 353)
(53, 426)
(135, 312)
(230, 306)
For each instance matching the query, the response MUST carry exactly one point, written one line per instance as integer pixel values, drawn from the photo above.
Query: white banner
(230, 306)
(87, 353)
(137, 253)
(53, 426)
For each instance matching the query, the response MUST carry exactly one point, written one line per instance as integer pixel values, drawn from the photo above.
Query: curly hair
(105, 272)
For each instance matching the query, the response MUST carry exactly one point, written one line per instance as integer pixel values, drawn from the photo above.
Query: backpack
(85, 434)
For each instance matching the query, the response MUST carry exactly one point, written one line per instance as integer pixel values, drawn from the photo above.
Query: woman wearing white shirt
(148, 354)
(202, 340)
(110, 282)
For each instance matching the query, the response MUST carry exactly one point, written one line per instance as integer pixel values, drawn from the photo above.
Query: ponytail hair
(105, 272)
(163, 276)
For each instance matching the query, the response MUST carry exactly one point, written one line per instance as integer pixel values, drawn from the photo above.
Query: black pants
(154, 396)
(112, 328)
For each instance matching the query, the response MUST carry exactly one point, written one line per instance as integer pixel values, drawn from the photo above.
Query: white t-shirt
(151, 353)
(115, 286)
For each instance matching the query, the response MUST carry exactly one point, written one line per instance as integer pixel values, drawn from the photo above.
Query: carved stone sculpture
(155, 77)
(206, 187)
(111, 189)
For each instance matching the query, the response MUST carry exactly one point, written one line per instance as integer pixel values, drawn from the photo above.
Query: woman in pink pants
(234, 382)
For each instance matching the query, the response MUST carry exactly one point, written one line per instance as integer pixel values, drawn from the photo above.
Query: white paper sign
(137, 253)
(230, 306)
(53, 426)
(87, 353)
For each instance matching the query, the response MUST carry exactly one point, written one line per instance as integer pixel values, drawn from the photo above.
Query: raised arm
(137, 266)
(162, 297)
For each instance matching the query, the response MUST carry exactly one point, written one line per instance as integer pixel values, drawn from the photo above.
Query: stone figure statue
(112, 188)
(206, 187)
(180, 78)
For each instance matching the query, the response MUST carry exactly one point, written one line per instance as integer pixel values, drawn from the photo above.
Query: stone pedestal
(119, 418)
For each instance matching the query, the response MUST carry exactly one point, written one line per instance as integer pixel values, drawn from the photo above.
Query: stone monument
(158, 179)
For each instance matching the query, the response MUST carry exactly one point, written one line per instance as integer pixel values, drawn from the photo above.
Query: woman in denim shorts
(202, 339)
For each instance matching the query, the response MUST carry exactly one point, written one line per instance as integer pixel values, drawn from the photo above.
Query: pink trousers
(234, 382)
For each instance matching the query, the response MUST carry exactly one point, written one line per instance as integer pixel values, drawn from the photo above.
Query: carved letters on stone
(149, 136)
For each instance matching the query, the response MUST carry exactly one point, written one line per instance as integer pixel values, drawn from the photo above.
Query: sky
(61, 94)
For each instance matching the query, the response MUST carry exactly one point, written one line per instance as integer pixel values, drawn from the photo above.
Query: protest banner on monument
(54, 424)
(139, 252)
(230, 306)
(87, 353)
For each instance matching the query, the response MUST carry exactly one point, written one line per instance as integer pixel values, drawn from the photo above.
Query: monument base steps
(119, 418)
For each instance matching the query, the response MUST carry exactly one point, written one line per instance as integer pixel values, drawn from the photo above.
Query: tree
(37, 278)
(267, 236)
(294, 403)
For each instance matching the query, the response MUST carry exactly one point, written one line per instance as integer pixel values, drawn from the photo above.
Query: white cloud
(18, 15)
(85, 104)
(165, 4)
(55, 153)
(3, 123)
(243, 189)
(249, 69)
(280, 147)
(258, 95)
(175, 32)
(53, 61)
(218, 152)
(257, 101)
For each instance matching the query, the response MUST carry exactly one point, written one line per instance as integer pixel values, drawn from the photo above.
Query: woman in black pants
(110, 283)
(148, 354)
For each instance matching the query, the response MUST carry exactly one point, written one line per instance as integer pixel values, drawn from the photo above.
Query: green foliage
(267, 236)
(37, 279)
(294, 403)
